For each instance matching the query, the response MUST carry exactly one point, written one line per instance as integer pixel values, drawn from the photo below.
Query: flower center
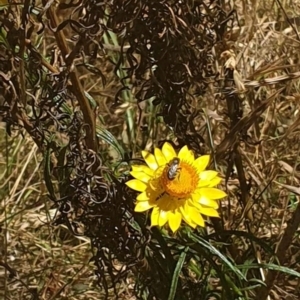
(184, 183)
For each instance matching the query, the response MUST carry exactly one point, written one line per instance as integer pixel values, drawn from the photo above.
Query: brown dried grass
(55, 264)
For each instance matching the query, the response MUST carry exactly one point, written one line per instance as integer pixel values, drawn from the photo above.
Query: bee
(173, 168)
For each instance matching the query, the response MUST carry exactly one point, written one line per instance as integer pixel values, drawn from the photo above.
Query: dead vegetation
(86, 85)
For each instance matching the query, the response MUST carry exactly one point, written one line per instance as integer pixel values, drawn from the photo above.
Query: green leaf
(215, 251)
(105, 135)
(90, 99)
(3, 39)
(270, 267)
(47, 171)
(244, 234)
(177, 273)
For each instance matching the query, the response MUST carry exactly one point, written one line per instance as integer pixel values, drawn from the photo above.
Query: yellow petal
(143, 206)
(196, 217)
(192, 224)
(160, 158)
(208, 175)
(143, 197)
(163, 218)
(186, 217)
(150, 160)
(212, 193)
(196, 204)
(209, 179)
(136, 185)
(141, 176)
(186, 154)
(143, 168)
(174, 220)
(208, 202)
(202, 162)
(209, 212)
(185, 212)
(215, 182)
(155, 216)
(203, 183)
(196, 196)
(168, 151)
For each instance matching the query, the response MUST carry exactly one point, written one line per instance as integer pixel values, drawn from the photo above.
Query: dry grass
(41, 260)
(252, 133)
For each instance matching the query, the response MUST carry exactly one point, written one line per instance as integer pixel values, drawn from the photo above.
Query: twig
(88, 114)
(288, 19)
(22, 51)
(268, 81)
(280, 253)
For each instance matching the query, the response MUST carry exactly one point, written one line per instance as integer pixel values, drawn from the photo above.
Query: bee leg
(159, 196)
(178, 175)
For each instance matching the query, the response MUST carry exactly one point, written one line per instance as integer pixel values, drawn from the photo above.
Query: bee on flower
(173, 168)
(176, 187)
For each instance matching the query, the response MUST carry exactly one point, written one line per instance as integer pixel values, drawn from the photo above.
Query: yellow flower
(176, 187)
